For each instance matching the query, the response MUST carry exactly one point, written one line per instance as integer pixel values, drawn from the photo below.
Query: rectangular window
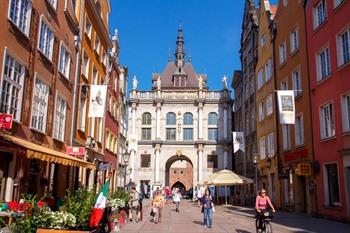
(145, 160)
(261, 111)
(332, 185)
(53, 3)
(212, 161)
(212, 134)
(263, 40)
(268, 70)
(104, 57)
(85, 65)
(319, 13)
(64, 61)
(344, 47)
(97, 44)
(20, 14)
(88, 27)
(286, 137)
(299, 130)
(262, 146)
(260, 79)
(282, 53)
(296, 78)
(100, 129)
(294, 40)
(284, 85)
(271, 145)
(171, 134)
(82, 108)
(146, 134)
(327, 121)
(346, 112)
(40, 106)
(323, 64)
(60, 118)
(12, 87)
(188, 134)
(269, 105)
(46, 39)
(337, 3)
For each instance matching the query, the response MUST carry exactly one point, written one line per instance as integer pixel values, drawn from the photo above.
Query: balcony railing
(150, 95)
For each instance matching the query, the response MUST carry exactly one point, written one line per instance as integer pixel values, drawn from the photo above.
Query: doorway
(347, 186)
(179, 169)
(5, 159)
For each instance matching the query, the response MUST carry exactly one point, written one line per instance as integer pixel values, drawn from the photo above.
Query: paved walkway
(229, 220)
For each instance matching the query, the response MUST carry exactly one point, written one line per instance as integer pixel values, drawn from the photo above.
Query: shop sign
(303, 169)
(76, 151)
(6, 121)
(295, 155)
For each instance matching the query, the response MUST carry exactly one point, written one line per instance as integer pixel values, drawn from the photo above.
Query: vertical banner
(133, 142)
(286, 107)
(238, 141)
(98, 95)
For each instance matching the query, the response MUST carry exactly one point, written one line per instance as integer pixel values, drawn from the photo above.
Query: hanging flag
(98, 95)
(286, 107)
(99, 206)
(238, 141)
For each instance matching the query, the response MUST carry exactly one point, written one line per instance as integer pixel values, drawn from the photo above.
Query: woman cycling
(261, 203)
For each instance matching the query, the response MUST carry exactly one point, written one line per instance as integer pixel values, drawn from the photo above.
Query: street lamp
(125, 160)
(255, 161)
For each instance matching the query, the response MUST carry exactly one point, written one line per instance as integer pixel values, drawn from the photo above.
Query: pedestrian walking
(157, 205)
(207, 205)
(199, 195)
(177, 198)
(135, 204)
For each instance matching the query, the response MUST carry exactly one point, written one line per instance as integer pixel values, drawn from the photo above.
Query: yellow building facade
(265, 105)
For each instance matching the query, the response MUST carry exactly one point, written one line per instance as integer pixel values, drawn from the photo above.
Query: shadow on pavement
(242, 231)
(198, 222)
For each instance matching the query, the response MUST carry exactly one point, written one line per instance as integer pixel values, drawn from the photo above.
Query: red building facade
(328, 40)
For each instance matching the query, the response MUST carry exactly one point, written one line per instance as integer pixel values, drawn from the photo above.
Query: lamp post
(125, 160)
(255, 161)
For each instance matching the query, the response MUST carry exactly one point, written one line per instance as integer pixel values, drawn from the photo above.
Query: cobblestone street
(229, 220)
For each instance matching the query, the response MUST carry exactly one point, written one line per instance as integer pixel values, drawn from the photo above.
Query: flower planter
(59, 231)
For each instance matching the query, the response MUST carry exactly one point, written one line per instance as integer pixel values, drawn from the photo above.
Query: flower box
(59, 231)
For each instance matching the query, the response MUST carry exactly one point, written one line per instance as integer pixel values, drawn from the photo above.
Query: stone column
(225, 123)
(132, 164)
(156, 164)
(158, 109)
(133, 114)
(225, 159)
(200, 121)
(200, 162)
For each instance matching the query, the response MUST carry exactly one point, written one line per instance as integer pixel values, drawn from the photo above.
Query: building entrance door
(4, 165)
(347, 186)
(179, 170)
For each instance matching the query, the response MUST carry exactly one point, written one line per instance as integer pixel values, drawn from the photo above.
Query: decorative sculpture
(159, 82)
(200, 82)
(224, 82)
(134, 83)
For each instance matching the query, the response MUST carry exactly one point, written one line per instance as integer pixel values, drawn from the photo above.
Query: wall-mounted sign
(303, 169)
(76, 151)
(6, 121)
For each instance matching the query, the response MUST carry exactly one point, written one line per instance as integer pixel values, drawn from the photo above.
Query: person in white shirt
(177, 199)
(199, 195)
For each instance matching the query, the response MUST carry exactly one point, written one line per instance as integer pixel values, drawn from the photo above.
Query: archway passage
(179, 186)
(179, 172)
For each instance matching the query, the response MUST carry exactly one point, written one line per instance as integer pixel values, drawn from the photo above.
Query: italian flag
(99, 206)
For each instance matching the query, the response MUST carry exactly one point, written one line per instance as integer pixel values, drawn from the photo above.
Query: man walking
(177, 199)
(135, 204)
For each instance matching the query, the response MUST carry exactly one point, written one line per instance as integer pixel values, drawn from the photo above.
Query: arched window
(188, 118)
(171, 118)
(146, 118)
(213, 118)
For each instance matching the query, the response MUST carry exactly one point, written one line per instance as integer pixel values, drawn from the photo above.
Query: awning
(228, 178)
(35, 151)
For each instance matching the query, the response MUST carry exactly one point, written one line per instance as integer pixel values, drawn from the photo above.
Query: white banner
(132, 142)
(98, 95)
(238, 141)
(286, 107)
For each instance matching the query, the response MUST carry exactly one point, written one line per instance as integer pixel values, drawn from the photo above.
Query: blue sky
(148, 29)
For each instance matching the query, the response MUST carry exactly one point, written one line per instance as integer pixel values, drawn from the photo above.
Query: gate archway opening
(179, 172)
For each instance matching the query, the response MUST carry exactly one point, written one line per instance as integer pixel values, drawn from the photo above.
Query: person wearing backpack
(135, 204)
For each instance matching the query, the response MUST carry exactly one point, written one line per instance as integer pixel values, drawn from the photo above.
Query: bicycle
(266, 226)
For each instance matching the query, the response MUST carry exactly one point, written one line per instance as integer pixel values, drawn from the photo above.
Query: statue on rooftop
(134, 83)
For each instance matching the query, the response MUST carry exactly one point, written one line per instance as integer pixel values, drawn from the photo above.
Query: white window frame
(262, 148)
(18, 85)
(286, 137)
(317, 21)
(260, 79)
(337, 3)
(64, 68)
(341, 54)
(345, 105)
(294, 40)
(268, 70)
(261, 111)
(25, 27)
(284, 84)
(82, 111)
(326, 63)
(59, 130)
(263, 40)
(282, 52)
(269, 105)
(100, 129)
(49, 52)
(296, 80)
(85, 67)
(53, 3)
(97, 47)
(323, 125)
(271, 144)
(40, 100)
(299, 130)
(87, 31)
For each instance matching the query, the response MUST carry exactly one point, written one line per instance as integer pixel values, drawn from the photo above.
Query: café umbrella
(228, 178)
